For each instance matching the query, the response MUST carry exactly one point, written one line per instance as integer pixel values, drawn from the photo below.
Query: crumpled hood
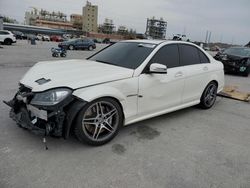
(73, 74)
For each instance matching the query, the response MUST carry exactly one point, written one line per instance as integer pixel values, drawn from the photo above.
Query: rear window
(189, 55)
(203, 57)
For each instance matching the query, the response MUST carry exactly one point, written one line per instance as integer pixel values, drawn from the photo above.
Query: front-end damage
(234, 63)
(54, 120)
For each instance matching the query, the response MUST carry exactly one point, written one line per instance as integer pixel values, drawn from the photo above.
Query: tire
(71, 47)
(209, 95)
(90, 48)
(63, 55)
(7, 41)
(246, 72)
(103, 118)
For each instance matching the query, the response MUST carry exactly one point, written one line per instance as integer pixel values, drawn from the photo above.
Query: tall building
(90, 15)
(156, 28)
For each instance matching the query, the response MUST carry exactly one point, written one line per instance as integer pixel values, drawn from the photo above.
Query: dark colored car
(106, 41)
(18, 34)
(76, 44)
(235, 60)
(97, 40)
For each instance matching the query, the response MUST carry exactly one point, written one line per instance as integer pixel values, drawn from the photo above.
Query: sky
(227, 20)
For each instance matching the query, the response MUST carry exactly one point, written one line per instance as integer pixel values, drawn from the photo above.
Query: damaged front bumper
(44, 120)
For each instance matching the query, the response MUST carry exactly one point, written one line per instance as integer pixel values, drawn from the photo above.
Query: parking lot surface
(191, 148)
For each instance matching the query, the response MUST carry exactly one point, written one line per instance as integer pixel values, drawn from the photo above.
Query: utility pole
(221, 38)
(209, 38)
(206, 37)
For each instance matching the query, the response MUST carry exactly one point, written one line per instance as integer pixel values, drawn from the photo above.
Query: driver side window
(168, 55)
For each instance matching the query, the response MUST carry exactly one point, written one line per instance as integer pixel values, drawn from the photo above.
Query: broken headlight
(50, 97)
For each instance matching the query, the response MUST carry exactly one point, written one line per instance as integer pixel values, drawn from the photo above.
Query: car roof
(157, 42)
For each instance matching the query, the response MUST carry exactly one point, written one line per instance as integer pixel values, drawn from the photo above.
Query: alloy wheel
(210, 95)
(100, 121)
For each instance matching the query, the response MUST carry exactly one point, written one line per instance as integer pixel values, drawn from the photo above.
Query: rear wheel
(99, 121)
(63, 54)
(90, 48)
(209, 95)
(8, 41)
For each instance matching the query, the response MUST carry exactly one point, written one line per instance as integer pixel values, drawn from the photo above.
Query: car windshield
(124, 54)
(244, 52)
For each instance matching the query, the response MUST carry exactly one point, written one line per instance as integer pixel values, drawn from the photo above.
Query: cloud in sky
(227, 19)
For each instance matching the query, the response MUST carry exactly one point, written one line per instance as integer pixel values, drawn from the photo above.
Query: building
(76, 20)
(156, 28)
(43, 18)
(27, 29)
(122, 30)
(90, 15)
(107, 27)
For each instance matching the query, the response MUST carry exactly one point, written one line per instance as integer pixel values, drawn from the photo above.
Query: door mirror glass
(158, 68)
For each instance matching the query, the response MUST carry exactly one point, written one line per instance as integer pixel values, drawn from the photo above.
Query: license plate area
(42, 114)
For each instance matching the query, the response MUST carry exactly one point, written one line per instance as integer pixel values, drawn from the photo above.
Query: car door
(197, 68)
(78, 44)
(159, 92)
(85, 43)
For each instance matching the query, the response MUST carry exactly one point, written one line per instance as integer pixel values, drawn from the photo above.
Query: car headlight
(50, 97)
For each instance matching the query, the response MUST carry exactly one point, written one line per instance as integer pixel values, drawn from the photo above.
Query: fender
(219, 79)
(94, 92)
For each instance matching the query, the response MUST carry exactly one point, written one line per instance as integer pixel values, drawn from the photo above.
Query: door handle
(205, 68)
(179, 74)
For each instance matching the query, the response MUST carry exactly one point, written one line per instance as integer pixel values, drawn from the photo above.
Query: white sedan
(124, 83)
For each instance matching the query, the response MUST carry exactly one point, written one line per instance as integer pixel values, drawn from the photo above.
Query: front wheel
(246, 72)
(99, 121)
(8, 41)
(209, 95)
(71, 47)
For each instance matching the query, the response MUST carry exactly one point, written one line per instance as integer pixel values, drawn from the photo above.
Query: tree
(9, 20)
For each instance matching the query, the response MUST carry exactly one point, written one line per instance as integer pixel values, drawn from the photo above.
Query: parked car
(18, 34)
(126, 82)
(31, 37)
(180, 37)
(106, 41)
(77, 44)
(235, 60)
(56, 38)
(97, 40)
(46, 38)
(39, 37)
(7, 37)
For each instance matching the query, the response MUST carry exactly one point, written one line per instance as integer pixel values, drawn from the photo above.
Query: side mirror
(158, 68)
